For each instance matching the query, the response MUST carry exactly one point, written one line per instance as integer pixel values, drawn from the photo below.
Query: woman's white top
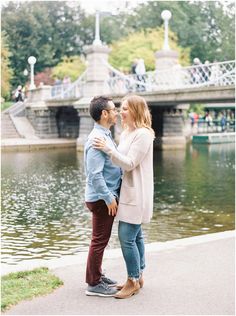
(135, 156)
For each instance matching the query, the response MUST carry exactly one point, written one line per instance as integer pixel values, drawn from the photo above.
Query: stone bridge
(68, 116)
(62, 110)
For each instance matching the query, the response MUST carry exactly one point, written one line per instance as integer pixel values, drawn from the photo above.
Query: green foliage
(143, 44)
(197, 108)
(207, 27)
(5, 105)
(48, 30)
(51, 30)
(6, 71)
(72, 67)
(26, 285)
(113, 27)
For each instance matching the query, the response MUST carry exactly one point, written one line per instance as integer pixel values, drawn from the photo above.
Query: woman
(135, 156)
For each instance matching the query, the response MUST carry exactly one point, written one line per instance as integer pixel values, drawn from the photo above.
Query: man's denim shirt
(103, 179)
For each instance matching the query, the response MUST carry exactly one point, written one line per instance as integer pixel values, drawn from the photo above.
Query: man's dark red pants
(101, 232)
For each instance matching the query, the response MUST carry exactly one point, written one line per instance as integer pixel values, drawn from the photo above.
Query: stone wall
(44, 122)
(54, 122)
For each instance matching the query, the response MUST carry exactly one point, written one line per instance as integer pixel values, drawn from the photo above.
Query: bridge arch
(67, 120)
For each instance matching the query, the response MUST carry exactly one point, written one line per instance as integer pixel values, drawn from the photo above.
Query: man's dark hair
(97, 105)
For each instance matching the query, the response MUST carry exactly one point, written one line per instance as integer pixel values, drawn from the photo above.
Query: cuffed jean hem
(134, 276)
(132, 245)
(133, 279)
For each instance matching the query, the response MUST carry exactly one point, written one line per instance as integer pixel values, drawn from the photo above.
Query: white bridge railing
(72, 90)
(177, 77)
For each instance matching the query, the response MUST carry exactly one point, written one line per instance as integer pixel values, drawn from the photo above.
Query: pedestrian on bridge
(133, 66)
(19, 95)
(140, 70)
(135, 156)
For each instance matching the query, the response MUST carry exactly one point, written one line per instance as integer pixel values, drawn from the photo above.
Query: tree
(113, 27)
(69, 66)
(207, 27)
(45, 77)
(52, 30)
(47, 30)
(143, 44)
(5, 68)
(219, 37)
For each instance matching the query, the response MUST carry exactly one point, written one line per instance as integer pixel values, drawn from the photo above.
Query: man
(101, 194)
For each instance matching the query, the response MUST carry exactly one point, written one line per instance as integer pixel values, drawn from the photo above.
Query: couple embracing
(119, 184)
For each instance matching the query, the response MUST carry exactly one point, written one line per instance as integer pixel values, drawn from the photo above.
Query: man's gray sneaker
(101, 289)
(109, 282)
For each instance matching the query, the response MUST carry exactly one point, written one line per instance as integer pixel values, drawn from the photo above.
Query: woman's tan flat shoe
(130, 288)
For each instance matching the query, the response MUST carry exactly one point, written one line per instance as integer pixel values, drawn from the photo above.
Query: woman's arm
(137, 151)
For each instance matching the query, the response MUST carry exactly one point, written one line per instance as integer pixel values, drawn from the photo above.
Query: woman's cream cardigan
(135, 156)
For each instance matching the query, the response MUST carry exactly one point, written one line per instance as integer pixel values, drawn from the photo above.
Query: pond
(43, 212)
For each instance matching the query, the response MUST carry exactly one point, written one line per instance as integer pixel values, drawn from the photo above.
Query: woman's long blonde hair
(139, 111)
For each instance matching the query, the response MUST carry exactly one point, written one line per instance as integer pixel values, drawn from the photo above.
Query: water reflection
(43, 213)
(194, 192)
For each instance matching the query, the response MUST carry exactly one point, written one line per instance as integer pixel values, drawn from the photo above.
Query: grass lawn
(19, 286)
(5, 105)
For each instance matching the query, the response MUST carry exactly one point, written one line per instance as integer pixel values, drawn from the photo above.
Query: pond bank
(81, 257)
(23, 144)
(191, 276)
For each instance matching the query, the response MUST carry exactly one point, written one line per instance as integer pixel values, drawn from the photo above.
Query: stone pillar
(86, 123)
(97, 72)
(166, 59)
(43, 121)
(174, 127)
(167, 68)
(96, 84)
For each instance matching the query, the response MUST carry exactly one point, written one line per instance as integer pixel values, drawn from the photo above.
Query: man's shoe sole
(98, 294)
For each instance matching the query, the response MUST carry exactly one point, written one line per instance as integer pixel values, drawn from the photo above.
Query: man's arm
(95, 161)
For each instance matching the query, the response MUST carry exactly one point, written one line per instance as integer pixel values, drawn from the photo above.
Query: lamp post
(97, 40)
(166, 15)
(32, 60)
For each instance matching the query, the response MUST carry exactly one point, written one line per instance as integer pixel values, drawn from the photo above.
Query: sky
(90, 6)
(108, 5)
